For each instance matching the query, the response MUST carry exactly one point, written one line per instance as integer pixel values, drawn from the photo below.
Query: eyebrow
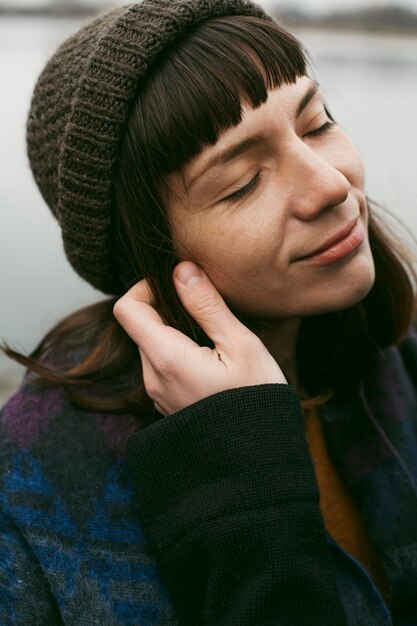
(251, 142)
(308, 96)
(229, 154)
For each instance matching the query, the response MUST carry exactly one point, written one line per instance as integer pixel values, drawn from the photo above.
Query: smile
(339, 247)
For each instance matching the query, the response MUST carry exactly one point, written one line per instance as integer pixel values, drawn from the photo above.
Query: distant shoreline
(325, 23)
(410, 30)
(61, 12)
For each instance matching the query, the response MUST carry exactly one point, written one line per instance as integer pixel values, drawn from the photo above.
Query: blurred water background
(370, 82)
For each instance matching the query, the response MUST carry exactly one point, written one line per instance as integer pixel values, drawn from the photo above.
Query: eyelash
(240, 193)
(252, 184)
(320, 131)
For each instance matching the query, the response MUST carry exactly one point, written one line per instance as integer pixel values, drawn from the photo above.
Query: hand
(178, 372)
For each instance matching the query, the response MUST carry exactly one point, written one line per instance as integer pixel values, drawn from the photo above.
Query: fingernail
(189, 274)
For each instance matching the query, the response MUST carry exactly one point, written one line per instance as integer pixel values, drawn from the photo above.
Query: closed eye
(243, 191)
(320, 131)
(252, 184)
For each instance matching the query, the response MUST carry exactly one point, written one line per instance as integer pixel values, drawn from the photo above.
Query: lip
(337, 247)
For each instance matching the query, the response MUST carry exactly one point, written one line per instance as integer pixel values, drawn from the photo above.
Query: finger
(142, 322)
(142, 291)
(202, 300)
(159, 409)
(147, 369)
(135, 310)
(149, 376)
(150, 381)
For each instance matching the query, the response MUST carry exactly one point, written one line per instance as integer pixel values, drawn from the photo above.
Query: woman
(239, 445)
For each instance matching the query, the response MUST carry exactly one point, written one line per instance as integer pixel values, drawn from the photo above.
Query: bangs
(197, 88)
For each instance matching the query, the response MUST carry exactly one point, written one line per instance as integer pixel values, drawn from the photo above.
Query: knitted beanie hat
(80, 108)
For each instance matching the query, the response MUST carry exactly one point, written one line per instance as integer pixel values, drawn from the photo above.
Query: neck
(279, 337)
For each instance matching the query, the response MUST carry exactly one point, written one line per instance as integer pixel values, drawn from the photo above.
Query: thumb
(205, 304)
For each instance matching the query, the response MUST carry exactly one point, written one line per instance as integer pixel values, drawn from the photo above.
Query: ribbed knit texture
(79, 111)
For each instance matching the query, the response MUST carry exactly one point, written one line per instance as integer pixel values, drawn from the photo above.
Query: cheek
(235, 246)
(353, 165)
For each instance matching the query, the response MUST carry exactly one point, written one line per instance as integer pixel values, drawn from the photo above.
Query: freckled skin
(309, 188)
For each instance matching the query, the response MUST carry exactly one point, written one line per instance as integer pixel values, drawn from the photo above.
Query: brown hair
(193, 94)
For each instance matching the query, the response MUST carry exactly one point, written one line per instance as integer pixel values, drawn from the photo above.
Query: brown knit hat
(80, 109)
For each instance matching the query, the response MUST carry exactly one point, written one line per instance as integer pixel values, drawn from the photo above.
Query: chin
(348, 291)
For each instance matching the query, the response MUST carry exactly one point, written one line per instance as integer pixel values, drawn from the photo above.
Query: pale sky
(316, 6)
(310, 5)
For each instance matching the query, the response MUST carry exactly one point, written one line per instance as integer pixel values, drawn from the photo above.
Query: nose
(318, 184)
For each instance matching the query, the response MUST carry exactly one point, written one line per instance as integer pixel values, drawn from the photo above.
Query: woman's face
(258, 205)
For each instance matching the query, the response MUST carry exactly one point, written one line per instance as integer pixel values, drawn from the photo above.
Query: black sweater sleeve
(229, 499)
